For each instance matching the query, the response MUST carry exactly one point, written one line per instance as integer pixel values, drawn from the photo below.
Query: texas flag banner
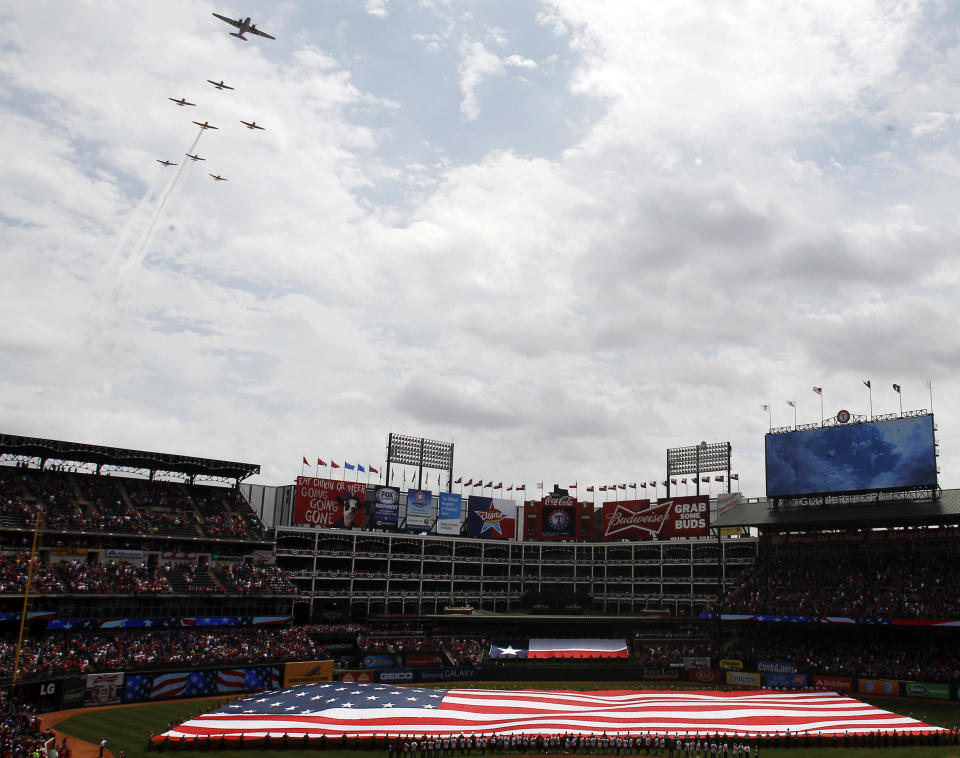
(577, 648)
(353, 709)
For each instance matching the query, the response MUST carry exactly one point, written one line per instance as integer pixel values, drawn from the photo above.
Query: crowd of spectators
(91, 503)
(21, 733)
(125, 577)
(56, 654)
(909, 577)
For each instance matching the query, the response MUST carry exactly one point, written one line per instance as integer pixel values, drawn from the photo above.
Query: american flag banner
(336, 709)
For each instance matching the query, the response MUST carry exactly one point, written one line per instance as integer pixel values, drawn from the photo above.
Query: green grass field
(129, 727)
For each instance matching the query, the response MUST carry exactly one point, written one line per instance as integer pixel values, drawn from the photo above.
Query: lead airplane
(206, 125)
(218, 178)
(181, 102)
(194, 157)
(251, 124)
(244, 25)
(220, 84)
(166, 163)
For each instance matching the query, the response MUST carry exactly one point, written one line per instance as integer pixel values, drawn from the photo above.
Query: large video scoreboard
(876, 456)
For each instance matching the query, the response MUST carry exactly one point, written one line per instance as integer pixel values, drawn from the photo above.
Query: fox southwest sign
(665, 519)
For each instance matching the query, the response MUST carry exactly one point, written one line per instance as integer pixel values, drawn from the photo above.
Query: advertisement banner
(356, 676)
(395, 675)
(726, 501)
(69, 551)
(329, 503)
(878, 686)
(696, 662)
(706, 676)
(927, 689)
(558, 518)
(419, 512)
(458, 674)
(661, 674)
(785, 680)
(120, 553)
(386, 508)
(731, 664)
(422, 660)
(73, 689)
(379, 661)
(491, 518)
(103, 689)
(448, 513)
(673, 517)
(746, 678)
(833, 683)
(776, 667)
(306, 672)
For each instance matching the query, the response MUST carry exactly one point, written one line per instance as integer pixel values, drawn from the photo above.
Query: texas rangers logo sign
(491, 518)
(673, 517)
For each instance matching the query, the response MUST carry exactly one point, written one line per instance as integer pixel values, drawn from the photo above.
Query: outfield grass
(129, 727)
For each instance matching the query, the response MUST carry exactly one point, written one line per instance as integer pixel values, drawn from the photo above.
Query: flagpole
(870, 396)
(930, 387)
(769, 417)
(821, 406)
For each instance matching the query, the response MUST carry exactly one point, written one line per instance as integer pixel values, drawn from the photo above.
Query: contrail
(136, 257)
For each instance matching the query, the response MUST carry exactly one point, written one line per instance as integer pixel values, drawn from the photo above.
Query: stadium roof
(122, 458)
(760, 514)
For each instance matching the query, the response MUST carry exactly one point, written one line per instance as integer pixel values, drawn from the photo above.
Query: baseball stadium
(157, 602)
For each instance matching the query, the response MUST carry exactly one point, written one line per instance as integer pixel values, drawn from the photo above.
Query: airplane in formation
(194, 157)
(220, 84)
(218, 178)
(244, 25)
(181, 102)
(166, 163)
(251, 124)
(206, 125)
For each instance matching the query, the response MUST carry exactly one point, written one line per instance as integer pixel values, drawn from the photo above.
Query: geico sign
(396, 676)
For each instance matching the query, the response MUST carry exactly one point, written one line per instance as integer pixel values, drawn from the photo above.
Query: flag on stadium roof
(374, 471)
(792, 403)
(348, 466)
(459, 480)
(360, 468)
(305, 461)
(633, 486)
(334, 464)
(896, 388)
(866, 383)
(468, 483)
(718, 478)
(522, 487)
(590, 488)
(320, 462)
(352, 709)
(818, 390)
(735, 476)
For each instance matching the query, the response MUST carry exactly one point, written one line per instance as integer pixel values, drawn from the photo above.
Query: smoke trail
(136, 257)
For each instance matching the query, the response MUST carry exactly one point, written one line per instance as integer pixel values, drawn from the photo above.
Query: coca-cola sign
(673, 517)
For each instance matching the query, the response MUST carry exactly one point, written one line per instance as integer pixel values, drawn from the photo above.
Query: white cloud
(690, 252)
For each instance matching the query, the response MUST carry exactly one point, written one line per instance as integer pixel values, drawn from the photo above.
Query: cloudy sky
(565, 235)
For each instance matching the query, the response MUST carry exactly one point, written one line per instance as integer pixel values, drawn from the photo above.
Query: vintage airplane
(220, 84)
(206, 125)
(244, 25)
(194, 157)
(251, 124)
(181, 102)
(218, 178)
(166, 163)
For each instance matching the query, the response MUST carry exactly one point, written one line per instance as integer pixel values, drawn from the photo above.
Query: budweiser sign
(639, 520)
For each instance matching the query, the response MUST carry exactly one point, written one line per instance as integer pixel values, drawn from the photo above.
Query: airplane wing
(259, 33)
(228, 20)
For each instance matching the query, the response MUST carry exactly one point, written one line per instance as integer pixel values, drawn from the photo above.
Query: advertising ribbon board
(878, 686)
(448, 514)
(306, 672)
(780, 680)
(103, 689)
(747, 678)
(419, 511)
(558, 517)
(491, 518)
(834, 683)
(927, 689)
(329, 503)
(670, 517)
(386, 508)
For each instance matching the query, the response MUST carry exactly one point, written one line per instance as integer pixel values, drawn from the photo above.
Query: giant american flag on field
(335, 709)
